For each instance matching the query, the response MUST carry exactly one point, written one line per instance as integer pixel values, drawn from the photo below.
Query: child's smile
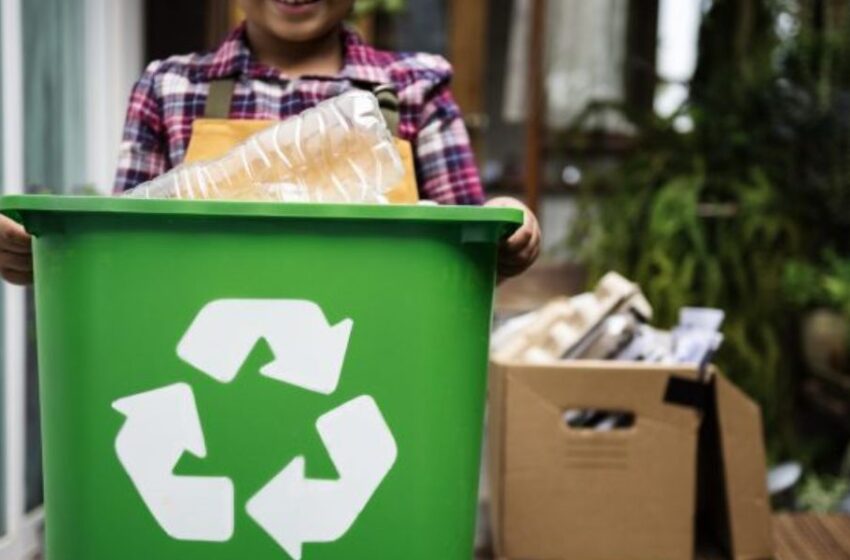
(295, 20)
(296, 7)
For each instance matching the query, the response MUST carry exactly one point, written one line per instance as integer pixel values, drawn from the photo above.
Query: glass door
(20, 524)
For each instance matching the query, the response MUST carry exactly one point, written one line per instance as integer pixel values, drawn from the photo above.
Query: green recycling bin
(225, 380)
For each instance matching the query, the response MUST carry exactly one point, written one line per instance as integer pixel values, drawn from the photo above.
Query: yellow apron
(214, 135)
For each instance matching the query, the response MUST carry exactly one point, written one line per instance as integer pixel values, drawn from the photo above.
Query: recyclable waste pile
(338, 151)
(610, 323)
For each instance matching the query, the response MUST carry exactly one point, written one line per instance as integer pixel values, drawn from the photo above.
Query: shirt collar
(234, 59)
(363, 63)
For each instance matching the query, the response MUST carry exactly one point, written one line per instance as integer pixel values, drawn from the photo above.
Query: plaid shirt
(173, 93)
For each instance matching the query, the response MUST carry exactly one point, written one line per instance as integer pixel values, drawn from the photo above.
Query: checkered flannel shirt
(173, 92)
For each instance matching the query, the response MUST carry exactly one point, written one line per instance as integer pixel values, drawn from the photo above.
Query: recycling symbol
(163, 424)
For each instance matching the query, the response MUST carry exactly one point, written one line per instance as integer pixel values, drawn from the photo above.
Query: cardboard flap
(636, 388)
(744, 465)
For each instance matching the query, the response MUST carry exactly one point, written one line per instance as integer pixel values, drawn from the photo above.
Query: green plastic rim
(12, 206)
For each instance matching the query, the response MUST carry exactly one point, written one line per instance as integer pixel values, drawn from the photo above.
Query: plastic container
(139, 314)
(338, 151)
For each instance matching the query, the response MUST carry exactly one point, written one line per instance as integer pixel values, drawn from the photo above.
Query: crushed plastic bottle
(338, 151)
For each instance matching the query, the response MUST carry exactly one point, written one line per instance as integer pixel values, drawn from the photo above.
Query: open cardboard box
(689, 470)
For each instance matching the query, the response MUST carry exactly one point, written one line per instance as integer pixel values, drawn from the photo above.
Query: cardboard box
(691, 467)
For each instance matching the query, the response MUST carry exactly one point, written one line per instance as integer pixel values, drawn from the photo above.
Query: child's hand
(15, 253)
(520, 250)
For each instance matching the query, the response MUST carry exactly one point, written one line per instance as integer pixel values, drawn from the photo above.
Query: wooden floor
(805, 537)
(810, 537)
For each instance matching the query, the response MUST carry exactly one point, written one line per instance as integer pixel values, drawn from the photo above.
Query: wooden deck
(807, 537)
(812, 537)
(804, 537)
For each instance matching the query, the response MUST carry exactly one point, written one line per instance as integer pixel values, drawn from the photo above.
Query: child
(288, 56)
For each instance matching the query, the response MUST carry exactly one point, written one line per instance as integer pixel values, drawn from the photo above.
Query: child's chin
(298, 25)
(298, 31)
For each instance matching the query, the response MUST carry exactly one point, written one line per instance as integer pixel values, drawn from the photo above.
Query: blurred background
(701, 148)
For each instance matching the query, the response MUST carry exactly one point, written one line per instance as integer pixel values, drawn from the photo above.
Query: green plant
(820, 284)
(714, 216)
(658, 228)
(822, 493)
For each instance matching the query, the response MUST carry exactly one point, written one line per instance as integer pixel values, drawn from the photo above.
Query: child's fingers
(537, 243)
(15, 261)
(515, 262)
(17, 277)
(523, 235)
(521, 249)
(23, 250)
(13, 237)
(528, 234)
(518, 240)
(526, 256)
(518, 259)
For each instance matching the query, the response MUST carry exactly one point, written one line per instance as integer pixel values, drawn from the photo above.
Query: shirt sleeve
(143, 154)
(446, 169)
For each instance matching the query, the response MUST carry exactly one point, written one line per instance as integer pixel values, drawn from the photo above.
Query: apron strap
(220, 98)
(389, 104)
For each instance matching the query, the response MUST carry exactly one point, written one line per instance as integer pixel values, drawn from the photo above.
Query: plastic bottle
(338, 151)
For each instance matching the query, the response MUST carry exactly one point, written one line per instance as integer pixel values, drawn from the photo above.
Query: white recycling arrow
(295, 510)
(161, 426)
(309, 353)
